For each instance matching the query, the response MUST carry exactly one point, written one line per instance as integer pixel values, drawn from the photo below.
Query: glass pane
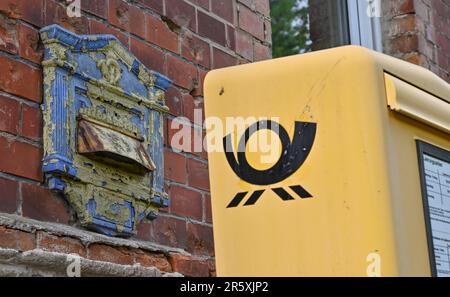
(300, 26)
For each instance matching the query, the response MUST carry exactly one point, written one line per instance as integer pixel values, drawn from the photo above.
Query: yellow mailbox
(357, 181)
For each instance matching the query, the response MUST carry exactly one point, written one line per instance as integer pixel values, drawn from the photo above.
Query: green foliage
(290, 30)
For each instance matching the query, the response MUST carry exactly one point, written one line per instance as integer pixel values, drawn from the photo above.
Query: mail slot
(103, 130)
(360, 181)
(112, 146)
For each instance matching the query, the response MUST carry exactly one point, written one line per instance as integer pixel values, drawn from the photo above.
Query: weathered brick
(198, 174)
(127, 17)
(183, 136)
(402, 25)
(189, 266)
(443, 42)
(12, 79)
(170, 231)
(143, 230)
(399, 7)
(193, 109)
(416, 30)
(196, 50)
(198, 91)
(55, 210)
(175, 167)
(9, 115)
(202, 3)
(199, 149)
(231, 38)
(222, 59)
(242, 61)
(421, 10)
(30, 46)
(96, 7)
(160, 34)
(268, 31)
(106, 253)
(244, 45)
(59, 244)
(118, 14)
(157, 260)
(211, 28)
(415, 58)
(440, 7)
(9, 195)
(8, 35)
(404, 44)
(442, 59)
(200, 239)
(224, 9)
(262, 52)
(251, 22)
(16, 239)
(56, 13)
(172, 127)
(248, 3)
(186, 202)
(444, 74)
(156, 5)
(137, 21)
(183, 74)
(173, 101)
(440, 25)
(31, 122)
(181, 13)
(96, 27)
(151, 57)
(30, 11)
(262, 6)
(21, 159)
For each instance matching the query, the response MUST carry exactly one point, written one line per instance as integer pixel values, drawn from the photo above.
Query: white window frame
(364, 19)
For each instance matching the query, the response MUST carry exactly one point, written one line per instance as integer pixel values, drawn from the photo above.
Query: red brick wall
(181, 39)
(419, 32)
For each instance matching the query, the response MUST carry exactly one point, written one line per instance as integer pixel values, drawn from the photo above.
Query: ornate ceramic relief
(103, 130)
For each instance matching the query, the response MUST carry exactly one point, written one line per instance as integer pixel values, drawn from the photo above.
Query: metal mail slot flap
(416, 103)
(98, 141)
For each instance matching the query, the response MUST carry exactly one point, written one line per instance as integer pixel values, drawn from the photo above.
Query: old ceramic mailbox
(103, 130)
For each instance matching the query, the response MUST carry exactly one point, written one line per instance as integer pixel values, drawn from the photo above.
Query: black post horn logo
(292, 157)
